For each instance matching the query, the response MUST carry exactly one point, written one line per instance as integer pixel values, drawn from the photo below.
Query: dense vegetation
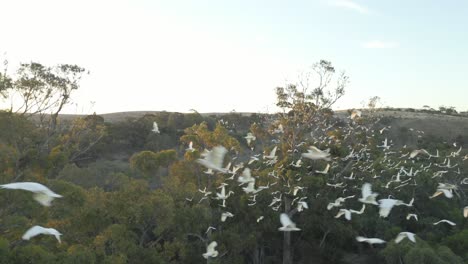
(134, 196)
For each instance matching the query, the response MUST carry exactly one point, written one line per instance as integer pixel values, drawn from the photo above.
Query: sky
(222, 56)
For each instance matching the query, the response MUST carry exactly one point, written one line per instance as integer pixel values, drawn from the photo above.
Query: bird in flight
(42, 194)
(37, 230)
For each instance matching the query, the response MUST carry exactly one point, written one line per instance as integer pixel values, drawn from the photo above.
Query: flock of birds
(213, 160)
(393, 160)
(42, 195)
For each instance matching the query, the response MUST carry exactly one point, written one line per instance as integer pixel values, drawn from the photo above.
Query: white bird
(250, 137)
(445, 221)
(412, 215)
(370, 240)
(465, 211)
(214, 159)
(209, 229)
(444, 188)
(314, 153)
(416, 152)
(190, 148)
(325, 171)
(272, 154)
(298, 163)
(155, 128)
(367, 195)
(386, 206)
(250, 188)
(288, 225)
(225, 215)
(344, 212)
(222, 195)
(210, 250)
(37, 230)
(347, 213)
(301, 205)
(355, 113)
(408, 235)
(246, 177)
(360, 211)
(42, 194)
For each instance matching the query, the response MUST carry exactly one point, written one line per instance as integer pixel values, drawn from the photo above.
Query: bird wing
(361, 239)
(43, 198)
(447, 193)
(366, 190)
(340, 213)
(347, 214)
(273, 151)
(285, 220)
(386, 206)
(27, 186)
(33, 231)
(400, 237)
(211, 246)
(411, 236)
(216, 156)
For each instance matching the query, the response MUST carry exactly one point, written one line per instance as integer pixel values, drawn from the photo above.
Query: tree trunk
(287, 258)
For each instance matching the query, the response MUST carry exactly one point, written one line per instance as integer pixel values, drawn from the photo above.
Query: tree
(302, 109)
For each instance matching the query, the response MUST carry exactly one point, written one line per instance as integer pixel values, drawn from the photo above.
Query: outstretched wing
(32, 232)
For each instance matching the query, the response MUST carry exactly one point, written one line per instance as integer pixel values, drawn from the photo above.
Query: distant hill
(448, 127)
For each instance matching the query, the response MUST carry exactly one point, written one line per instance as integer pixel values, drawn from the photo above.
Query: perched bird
(465, 211)
(214, 159)
(408, 235)
(210, 250)
(370, 240)
(288, 225)
(314, 153)
(190, 148)
(155, 128)
(42, 194)
(37, 230)
(367, 195)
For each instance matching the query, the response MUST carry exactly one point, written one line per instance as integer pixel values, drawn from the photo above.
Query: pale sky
(219, 56)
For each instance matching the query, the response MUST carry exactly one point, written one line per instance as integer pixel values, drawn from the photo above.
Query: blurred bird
(210, 250)
(155, 128)
(42, 194)
(288, 225)
(370, 240)
(403, 235)
(314, 153)
(37, 230)
(367, 195)
(214, 159)
(445, 221)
